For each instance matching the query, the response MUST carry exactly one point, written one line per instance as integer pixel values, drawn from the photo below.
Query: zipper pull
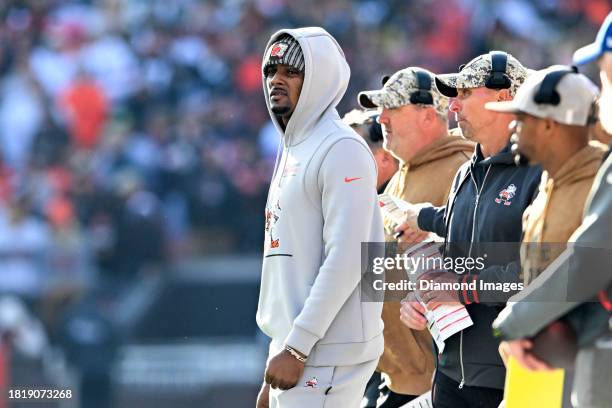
(461, 384)
(477, 199)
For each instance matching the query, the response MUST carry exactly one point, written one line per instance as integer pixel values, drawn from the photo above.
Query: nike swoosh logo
(348, 180)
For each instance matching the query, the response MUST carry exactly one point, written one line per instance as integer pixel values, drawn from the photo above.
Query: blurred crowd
(134, 132)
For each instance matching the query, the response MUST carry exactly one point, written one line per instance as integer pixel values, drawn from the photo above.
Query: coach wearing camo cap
(486, 204)
(414, 120)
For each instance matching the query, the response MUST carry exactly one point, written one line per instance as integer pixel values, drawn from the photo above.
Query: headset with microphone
(498, 79)
(423, 94)
(547, 91)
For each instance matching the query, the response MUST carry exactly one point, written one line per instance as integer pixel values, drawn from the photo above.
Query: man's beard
(281, 110)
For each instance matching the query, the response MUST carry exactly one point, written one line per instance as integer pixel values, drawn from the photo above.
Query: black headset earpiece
(547, 92)
(593, 113)
(498, 79)
(423, 95)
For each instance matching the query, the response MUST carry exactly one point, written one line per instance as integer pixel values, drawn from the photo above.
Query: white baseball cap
(558, 92)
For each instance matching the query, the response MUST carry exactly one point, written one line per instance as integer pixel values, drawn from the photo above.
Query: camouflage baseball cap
(479, 72)
(402, 88)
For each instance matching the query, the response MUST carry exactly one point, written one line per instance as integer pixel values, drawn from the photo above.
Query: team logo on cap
(506, 195)
(278, 50)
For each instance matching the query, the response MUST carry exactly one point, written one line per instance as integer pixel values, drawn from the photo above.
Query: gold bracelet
(295, 354)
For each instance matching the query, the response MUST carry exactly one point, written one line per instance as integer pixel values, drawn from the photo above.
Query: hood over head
(326, 77)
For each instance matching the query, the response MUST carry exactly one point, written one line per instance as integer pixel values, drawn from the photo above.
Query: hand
(263, 398)
(504, 352)
(411, 216)
(405, 234)
(521, 350)
(435, 297)
(412, 313)
(284, 371)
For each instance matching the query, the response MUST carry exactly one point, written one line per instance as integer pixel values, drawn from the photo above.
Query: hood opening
(326, 77)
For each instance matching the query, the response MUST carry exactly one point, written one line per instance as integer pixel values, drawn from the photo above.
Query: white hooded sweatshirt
(322, 205)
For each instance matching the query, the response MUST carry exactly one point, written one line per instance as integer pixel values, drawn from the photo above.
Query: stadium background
(135, 154)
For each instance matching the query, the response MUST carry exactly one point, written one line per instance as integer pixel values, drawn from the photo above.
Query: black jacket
(483, 215)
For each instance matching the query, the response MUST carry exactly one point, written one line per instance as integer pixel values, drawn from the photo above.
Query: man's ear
(550, 126)
(428, 116)
(503, 95)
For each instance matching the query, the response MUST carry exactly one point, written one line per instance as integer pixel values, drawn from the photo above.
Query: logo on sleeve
(506, 195)
(348, 180)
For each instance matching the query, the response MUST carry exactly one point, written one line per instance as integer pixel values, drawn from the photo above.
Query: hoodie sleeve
(347, 181)
(431, 219)
(504, 277)
(541, 303)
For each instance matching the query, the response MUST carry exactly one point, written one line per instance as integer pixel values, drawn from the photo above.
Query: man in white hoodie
(321, 206)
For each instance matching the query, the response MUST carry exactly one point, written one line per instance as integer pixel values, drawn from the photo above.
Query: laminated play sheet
(392, 207)
(445, 319)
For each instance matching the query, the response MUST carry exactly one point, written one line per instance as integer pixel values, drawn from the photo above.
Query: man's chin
(280, 110)
(466, 130)
(387, 146)
(521, 156)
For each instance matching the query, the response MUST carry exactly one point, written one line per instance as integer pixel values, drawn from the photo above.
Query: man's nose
(276, 79)
(455, 105)
(383, 118)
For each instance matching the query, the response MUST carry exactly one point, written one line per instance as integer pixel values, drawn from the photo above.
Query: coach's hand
(263, 398)
(412, 313)
(405, 234)
(284, 371)
(521, 350)
(435, 297)
(411, 218)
